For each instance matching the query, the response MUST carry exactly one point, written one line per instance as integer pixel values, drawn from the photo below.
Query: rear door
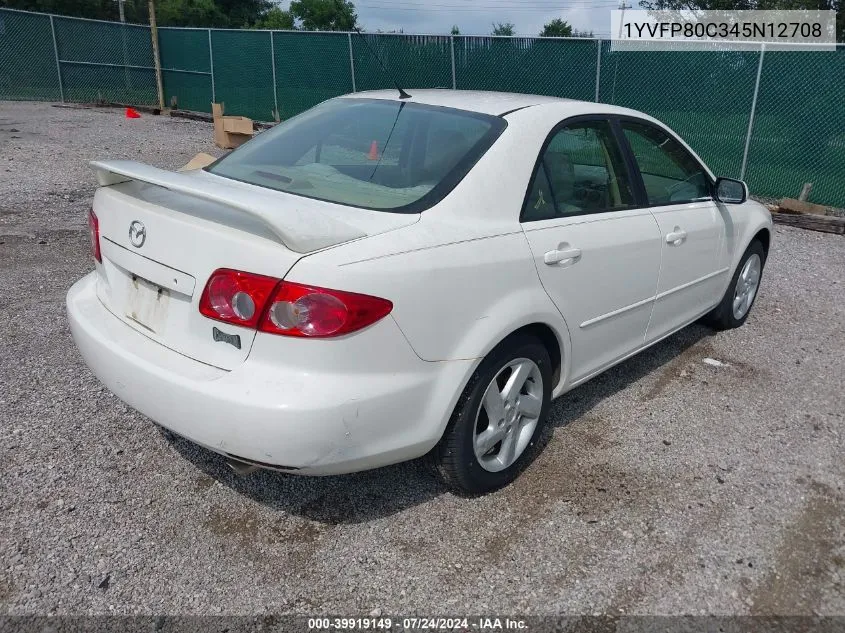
(678, 191)
(597, 253)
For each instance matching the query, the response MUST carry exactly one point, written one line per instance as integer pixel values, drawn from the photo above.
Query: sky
(475, 17)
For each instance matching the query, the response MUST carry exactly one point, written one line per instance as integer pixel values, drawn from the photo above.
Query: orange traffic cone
(131, 113)
(373, 155)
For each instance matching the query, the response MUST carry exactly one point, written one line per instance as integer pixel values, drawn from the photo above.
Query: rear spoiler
(299, 230)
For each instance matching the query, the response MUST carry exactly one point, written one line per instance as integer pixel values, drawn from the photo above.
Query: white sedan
(383, 278)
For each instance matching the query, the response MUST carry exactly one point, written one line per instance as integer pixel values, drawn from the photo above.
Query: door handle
(565, 257)
(676, 237)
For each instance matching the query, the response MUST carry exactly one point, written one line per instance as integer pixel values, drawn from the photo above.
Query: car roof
(484, 102)
(472, 100)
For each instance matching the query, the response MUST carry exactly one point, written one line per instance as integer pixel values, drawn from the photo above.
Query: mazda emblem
(137, 233)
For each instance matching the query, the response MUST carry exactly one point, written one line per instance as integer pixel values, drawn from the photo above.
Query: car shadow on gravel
(667, 357)
(362, 497)
(354, 498)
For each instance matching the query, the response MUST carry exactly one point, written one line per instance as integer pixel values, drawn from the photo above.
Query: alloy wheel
(746, 286)
(508, 414)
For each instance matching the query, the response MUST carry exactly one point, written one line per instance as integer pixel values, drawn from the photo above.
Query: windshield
(376, 154)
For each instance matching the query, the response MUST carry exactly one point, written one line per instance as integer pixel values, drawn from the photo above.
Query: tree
(243, 13)
(556, 28)
(135, 10)
(577, 33)
(771, 5)
(455, 30)
(325, 15)
(202, 13)
(503, 28)
(276, 19)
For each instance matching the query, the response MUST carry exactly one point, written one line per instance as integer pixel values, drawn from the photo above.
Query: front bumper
(312, 406)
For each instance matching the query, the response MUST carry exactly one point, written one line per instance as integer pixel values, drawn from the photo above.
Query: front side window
(581, 171)
(376, 154)
(670, 174)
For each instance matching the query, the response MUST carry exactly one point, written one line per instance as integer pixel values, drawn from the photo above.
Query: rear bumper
(364, 402)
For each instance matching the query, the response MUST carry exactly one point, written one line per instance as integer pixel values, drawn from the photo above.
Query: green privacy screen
(105, 61)
(797, 122)
(186, 68)
(310, 68)
(563, 68)
(705, 96)
(28, 67)
(243, 75)
(421, 61)
(799, 126)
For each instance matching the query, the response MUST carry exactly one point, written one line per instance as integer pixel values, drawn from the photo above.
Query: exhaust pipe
(242, 469)
(243, 466)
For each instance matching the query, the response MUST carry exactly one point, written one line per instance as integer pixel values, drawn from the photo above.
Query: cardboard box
(198, 162)
(230, 131)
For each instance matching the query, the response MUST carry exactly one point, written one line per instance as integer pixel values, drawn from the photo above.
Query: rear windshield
(376, 154)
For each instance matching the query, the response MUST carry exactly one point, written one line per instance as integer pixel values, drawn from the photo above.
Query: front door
(678, 190)
(597, 255)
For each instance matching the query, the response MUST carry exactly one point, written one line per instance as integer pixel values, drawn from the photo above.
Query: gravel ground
(668, 486)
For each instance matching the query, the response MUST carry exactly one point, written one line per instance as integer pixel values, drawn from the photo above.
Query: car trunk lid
(162, 234)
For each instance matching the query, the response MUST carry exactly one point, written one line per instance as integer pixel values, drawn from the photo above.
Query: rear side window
(376, 154)
(540, 204)
(670, 174)
(580, 171)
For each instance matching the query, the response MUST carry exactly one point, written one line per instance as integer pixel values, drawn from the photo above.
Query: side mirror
(731, 191)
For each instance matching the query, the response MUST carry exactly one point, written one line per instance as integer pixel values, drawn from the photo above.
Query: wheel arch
(549, 339)
(746, 223)
(764, 236)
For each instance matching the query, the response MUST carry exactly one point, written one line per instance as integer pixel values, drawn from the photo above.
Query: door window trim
(617, 120)
(634, 177)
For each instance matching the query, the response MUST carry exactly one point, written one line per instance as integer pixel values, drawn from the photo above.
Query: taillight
(286, 308)
(235, 297)
(94, 235)
(297, 310)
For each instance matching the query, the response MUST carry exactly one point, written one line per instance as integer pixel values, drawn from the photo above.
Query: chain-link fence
(57, 58)
(772, 117)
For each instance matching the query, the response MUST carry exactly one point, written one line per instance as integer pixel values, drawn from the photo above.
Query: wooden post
(805, 192)
(156, 57)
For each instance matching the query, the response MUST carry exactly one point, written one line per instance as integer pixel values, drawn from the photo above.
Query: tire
(723, 316)
(456, 458)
